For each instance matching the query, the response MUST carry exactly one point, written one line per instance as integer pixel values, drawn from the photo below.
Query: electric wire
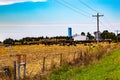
(104, 25)
(71, 8)
(95, 11)
(108, 22)
(76, 7)
(87, 6)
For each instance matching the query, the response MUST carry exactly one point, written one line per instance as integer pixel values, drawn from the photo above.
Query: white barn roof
(80, 38)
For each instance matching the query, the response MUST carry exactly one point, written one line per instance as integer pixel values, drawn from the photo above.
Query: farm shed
(80, 38)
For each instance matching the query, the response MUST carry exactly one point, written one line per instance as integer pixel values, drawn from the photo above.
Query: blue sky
(33, 18)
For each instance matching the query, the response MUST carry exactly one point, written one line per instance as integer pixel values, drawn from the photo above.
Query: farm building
(97, 37)
(80, 38)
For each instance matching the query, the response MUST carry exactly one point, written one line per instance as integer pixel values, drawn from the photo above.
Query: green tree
(26, 39)
(118, 37)
(112, 36)
(105, 34)
(82, 33)
(8, 41)
(90, 36)
(108, 35)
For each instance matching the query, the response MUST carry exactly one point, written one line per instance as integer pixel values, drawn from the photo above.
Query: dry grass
(35, 54)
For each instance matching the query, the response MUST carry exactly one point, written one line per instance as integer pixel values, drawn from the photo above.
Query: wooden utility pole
(117, 34)
(97, 25)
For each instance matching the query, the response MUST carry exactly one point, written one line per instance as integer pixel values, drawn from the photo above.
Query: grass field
(108, 68)
(35, 54)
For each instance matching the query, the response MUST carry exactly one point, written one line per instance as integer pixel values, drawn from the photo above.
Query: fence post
(60, 59)
(24, 60)
(14, 70)
(18, 71)
(43, 66)
(24, 72)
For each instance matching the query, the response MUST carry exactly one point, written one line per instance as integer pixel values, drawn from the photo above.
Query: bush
(9, 41)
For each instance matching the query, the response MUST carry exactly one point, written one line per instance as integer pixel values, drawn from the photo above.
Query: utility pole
(97, 25)
(117, 34)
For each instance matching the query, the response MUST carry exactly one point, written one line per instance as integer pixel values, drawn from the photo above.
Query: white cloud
(7, 2)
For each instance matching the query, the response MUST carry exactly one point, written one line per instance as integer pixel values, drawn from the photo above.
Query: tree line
(105, 35)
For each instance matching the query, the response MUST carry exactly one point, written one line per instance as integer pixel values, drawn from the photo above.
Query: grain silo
(69, 32)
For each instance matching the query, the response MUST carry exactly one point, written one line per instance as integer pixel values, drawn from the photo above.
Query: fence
(83, 57)
(37, 65)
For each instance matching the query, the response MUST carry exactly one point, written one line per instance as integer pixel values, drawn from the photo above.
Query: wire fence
(41, 65)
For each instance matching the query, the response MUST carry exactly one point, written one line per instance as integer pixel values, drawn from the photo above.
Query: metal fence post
(24, 72)
(43, 67)
(14, 70)
(18, 71)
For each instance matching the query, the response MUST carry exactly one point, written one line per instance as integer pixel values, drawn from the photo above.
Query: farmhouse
(78, 37)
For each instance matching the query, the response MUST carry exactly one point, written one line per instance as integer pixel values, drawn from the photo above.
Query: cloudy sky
(33, 18)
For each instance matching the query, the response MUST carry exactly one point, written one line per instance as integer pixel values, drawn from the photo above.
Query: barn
(78, 37)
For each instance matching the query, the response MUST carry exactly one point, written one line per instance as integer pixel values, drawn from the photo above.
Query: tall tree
(90, 36)
(118, 37)
(8, 41)
(105, 34)
(108, 35)
(82, 33)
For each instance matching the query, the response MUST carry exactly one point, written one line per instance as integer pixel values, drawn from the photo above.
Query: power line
(108, 22)
(105, 25)
(72, 8)
(87, 6)
(97, 25)
(93, 10)
(85, 11)
(75, 7)
(102, 24)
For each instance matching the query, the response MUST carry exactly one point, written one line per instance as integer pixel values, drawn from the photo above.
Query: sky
(34, 18)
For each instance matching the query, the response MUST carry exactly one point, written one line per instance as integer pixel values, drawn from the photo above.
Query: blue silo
(69, 32)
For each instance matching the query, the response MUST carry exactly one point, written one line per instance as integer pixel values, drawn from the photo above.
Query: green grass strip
(108, 68)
